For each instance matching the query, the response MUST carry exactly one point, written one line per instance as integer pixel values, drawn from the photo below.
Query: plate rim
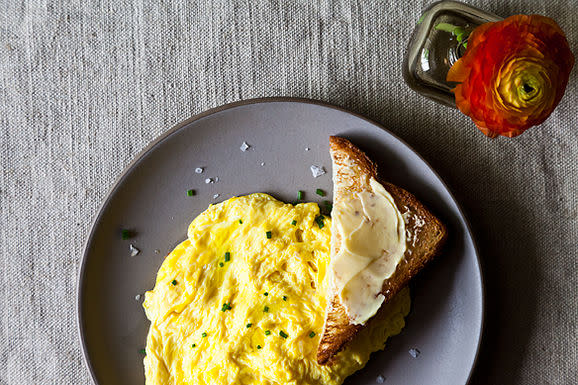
(262, 100)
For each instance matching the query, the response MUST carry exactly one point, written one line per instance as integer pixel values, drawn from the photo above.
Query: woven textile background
(85, 85)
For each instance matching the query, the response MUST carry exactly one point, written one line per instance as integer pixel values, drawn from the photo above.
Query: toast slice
(425, 234)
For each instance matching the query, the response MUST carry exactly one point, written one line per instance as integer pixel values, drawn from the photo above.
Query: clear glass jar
(437, 42)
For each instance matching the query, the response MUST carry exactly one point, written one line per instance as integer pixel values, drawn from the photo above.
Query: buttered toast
(355, 175)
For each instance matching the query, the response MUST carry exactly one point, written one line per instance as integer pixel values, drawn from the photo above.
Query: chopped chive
(283, 334)
(240, 221)
(266, 309)
(320, 192)
(174, 282)
(204, 335)
(312, 334)
(143, 351)
(319, 221)
(190, 192)
(227, 256)
(294, 222)
(267, 332)
(268, 234)
(258, 346)
(221, 264)
(226, 307)
(265, 294)
(300, 195)
(125, 234)
(249, 325)
(194, 345)
(284, 298)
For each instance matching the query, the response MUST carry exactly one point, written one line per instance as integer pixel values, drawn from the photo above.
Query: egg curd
(242, 300)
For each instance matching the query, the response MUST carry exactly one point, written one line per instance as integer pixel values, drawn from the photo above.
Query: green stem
(459, 32)
(445, 27)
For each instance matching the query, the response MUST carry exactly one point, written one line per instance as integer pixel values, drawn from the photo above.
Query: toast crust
(425, 235)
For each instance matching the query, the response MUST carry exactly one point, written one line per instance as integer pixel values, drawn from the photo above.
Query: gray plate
(150, 198)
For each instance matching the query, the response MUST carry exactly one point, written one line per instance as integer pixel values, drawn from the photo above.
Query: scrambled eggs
(242, 300)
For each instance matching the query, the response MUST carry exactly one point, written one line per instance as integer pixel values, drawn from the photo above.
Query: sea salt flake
(216, 196)
(307, 149)
(133, 250)
(262, 163)
(209, 180)
(199, 170)
(137, 297)
(244, 147)
(317, 171)
(216, 179)
(380, 379)
(414, 352)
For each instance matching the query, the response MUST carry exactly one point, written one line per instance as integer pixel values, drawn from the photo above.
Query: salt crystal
(157, 251)
(414, 352)
(216, 196)
(216, 179)
(133, 250)
(380, 379)
(262, 163)
(199, 170)
(307, 149)
(137, 297)
(244, 146)
(209, 180)
(317, 171)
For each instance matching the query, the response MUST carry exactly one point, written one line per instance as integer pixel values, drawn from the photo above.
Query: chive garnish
(300, 195)
(258, 346)
(312, 334)
(221, 264)
(294, 222)
(204, 335)
(125, 234)
(227, 256)
(194, 345)
(174, 282)
(266, 309)
(226, 307)
(190, 192)
(143, 351)
(267, 332)
(283, 334)
(265, 294)
(319, 221)
(284, 298)
(249, 325)
(240, 221)
(320, 192)
(268, 234)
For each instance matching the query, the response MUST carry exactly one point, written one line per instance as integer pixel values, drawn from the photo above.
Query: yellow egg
(242, 300)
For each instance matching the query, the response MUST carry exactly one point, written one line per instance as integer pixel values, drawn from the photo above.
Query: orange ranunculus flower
(513, 74)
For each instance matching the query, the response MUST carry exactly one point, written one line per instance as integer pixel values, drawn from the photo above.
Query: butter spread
(372, 243)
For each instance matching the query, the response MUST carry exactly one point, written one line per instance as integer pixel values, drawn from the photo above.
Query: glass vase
(438, 41)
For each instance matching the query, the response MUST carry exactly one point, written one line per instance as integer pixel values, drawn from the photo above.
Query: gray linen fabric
(85, 85)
